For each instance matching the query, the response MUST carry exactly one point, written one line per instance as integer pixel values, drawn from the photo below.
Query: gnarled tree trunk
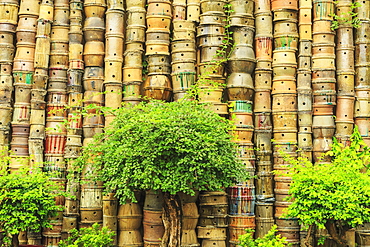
(171, 220)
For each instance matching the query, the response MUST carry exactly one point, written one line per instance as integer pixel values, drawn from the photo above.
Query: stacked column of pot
(323, 79)
(240, 91)
(345, 65)
(304, 87)
(74, 90)
(284, 108)
(8, 20)
(134, 49)
(262, 119)
(213, 220)
(183, 50)
(23, 70)
(210, 34)
(94, 29)
(158, 19)
(362, 69)
(114, 39)
(152, 220)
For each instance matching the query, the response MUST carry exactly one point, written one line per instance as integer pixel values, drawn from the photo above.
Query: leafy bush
(269, 240)
(27, 201)
(89, 237)
(173, 147)
(336, 194)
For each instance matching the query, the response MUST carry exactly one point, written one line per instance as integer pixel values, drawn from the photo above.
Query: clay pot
(284, 87)
(94, 8)
(29, 7)
(285, 121)
(209, 19)
(115, 22)
(159, 8)
(94, 53)
(157, 87)
(158, 22)
(284, 103)
(323, 10)
(9, 13)
(193, 12)
(94, 29)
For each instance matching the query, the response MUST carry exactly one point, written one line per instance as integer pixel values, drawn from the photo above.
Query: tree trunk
(171, 220)
(15, 241)
(333, 231)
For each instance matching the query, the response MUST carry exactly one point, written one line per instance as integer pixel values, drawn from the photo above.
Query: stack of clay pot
(94, 29)
(134, 49)
(345, 65)
(8, 20)
(75, 95)
(183, 51)
(158, 19)
(130, 217)
(23, 70)
(304, 88)
(213, 222)
(152, 219)
(362, 67)
(284, 107)
(114, 39)
(210, 34)
(323, 78)
(262, 116)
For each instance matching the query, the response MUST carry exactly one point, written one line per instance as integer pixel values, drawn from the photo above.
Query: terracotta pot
(242, 119)
(94, 29)
(285, 121)
(209, 19)
(362, 108)
(284, 103)
(60, 34)
(94, 8)
(323, 10)
(262, 121)
(284, 87)
(284, 57)
(94, 53)
(132, 74)
(361, 32)
(157, 87)
(29, 7)
(242, 20)
(159, 8)
(46, 11)
(115, 21)
(286, 42)
(113, 71)
(9, 13)
(285, 28)
(211, 232)
(158, 22)
(133, 58)
(183, 80)
(135, 33)
(193, 12)
(7, 53)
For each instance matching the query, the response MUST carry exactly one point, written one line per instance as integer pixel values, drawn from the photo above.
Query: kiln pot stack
(262, 118)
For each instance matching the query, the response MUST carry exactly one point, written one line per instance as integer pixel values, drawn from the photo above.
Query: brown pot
(29, 7)
(159, 8)
(193, 12)
(284, 87)
(285, 121)
(323, 10)
(94, 53)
